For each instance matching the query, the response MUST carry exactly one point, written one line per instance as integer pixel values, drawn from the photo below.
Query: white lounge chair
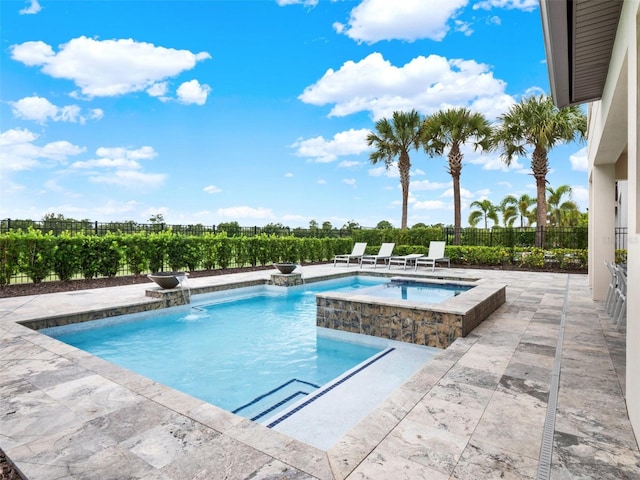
(386, 249)
(436, 254)
(613, 284)
(620, 309)
(404, 260)
(356, 254)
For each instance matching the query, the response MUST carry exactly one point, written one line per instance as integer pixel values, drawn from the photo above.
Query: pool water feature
(252, 351)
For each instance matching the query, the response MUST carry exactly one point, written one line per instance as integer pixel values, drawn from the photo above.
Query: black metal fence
(99, 228)
(621, 238)
(554, 237)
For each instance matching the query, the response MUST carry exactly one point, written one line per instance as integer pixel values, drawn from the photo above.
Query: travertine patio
(477, 411)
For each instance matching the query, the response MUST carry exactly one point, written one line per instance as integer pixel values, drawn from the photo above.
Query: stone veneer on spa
(433, 325)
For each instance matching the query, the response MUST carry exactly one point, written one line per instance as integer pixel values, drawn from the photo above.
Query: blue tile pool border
(330, 387)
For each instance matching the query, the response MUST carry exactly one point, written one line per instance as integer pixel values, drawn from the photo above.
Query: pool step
(276, 399)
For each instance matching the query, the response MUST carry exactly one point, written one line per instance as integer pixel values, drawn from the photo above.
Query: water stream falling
(182, 281)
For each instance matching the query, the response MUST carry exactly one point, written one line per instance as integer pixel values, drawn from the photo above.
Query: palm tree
(524, 202)
(561, 214)
(451, 129)
(487, 210)
(537, 122)
(509, 209)
(395, 138)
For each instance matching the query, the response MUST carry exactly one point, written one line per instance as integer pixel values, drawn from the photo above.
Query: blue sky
(256, 111)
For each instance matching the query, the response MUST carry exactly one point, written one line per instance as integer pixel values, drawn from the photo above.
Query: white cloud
(526, 5)
(131, 179)
(306, 3)
(32, 8)
(417, 185)
(375, 20)
(318, 149)
(464, 193)
(321, 181)
(121, 167)
(288, 175)
(34, 108)
(19, 152)
(579, 160)
(118, 208)
(463, 27)
(96, 113)
(425, 83)
(193, 92)
(39, 109)
(431, 205)
(104, 68)
(212, 189)
(349, 164)
(492, 162)
(580, 195)
(119, 162)
(236, 213)
(159, 89)
(383, 171)
(118, 157)
(534, 91)
(349, 181)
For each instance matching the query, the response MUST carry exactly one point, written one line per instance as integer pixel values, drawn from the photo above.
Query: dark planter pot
(166, 279)
(286, 267)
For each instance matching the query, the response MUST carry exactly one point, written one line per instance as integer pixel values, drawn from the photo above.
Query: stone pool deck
(478, 410)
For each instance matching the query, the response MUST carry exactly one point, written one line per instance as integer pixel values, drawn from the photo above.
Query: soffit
(579, 38)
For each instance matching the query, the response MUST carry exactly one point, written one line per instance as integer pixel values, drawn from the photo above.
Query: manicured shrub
(36, 254)
(9, 257)
(534, 258)
(136, 246)
(89, 260)
(157, 250)
(177, 251)
(66, 256)
(109, 252)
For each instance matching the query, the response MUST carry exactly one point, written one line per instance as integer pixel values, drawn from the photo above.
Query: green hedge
(38, 256)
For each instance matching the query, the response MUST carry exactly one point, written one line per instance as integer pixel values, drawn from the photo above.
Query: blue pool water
(416, 291)
(244, 350)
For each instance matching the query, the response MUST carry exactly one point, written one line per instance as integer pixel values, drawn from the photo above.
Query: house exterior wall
(619, 107)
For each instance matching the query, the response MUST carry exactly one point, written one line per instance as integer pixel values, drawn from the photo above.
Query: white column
(602, 240)
(633, 239)
(591, 232)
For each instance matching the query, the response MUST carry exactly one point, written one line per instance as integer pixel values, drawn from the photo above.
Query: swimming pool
(252, 351)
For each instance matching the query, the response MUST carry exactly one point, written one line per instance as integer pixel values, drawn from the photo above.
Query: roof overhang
(578, 37)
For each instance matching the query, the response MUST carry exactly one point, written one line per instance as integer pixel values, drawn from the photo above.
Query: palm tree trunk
(404, 168)
(540, 168)
(455, 169)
